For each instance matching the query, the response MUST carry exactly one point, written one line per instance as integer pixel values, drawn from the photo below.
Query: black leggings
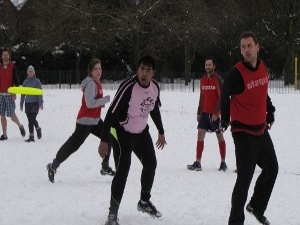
(31, 110)
(32, 122)
(76, 140)
(124, 145)
(251, 151)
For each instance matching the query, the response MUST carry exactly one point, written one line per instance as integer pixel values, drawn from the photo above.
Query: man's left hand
(161, 141)
(270, 120)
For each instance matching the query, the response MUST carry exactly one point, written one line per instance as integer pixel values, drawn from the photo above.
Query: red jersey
(90, 110)
(6, 77)
(249, 107)
(210, 93)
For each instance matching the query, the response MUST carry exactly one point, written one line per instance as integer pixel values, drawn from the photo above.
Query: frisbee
(25, 90)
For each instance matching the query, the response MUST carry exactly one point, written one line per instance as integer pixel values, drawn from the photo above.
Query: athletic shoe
(223, 166)
(195, 166)
(112, 220)
(39, 132)
(261, 218)
(3, 138)
(148, 208)
(51, 172)
(106, 170)
(30, 139)
(22, 130)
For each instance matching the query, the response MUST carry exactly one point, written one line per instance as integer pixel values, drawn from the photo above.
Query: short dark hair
(148, 61)
(91, 65)
(248, 34)
(210, 58)
(5, 50)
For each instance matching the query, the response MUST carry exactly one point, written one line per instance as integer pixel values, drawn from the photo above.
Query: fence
(168, 81)
(275, 86)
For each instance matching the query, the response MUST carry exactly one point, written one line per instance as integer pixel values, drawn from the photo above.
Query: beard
(5, 62)
(209, 72)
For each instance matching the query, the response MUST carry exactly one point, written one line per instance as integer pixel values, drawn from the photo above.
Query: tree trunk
(77, 73)
(290, 55)
(135, 42)
(187, 62)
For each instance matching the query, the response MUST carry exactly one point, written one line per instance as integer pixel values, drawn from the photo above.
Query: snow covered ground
(80, 195)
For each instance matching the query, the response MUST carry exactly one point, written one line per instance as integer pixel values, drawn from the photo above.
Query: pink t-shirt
(141, 103)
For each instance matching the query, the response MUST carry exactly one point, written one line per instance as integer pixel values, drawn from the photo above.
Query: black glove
(224, 125)
(270, 119)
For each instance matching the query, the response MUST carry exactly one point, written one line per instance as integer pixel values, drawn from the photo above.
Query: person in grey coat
(33, 103)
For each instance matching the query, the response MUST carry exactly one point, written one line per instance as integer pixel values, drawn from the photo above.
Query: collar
(250, 67)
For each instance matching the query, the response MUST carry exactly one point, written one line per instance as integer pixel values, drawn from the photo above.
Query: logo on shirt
(256, 83)
(146, 106)
(209, 87)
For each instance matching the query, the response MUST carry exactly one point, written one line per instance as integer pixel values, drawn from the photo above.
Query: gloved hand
(104, 100)
(270, 119)
(224, 125)
(107, 98)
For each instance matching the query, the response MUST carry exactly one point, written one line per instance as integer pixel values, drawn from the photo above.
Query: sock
(222, 147)
(200, 147)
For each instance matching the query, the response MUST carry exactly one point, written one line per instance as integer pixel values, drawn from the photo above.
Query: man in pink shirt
(126, 120)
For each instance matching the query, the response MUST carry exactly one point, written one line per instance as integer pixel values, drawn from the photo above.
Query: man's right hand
(103, 149)
(224, 125)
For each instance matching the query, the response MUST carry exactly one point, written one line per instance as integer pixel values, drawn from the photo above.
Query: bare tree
(72, 24)
(278, 24)
(195, 25)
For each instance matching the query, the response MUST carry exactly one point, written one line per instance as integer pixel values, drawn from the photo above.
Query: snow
(18, 3)
(80, 195)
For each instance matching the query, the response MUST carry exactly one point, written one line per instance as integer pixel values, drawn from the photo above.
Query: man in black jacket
(247, 106)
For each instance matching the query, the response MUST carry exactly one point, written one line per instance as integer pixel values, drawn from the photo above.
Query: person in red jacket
(208, 114)
(247, 107)
(88, 120)
(8, 78)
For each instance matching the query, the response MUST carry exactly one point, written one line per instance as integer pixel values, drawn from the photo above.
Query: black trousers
(31, 110)
(124, 145)
(251, 151)
(76, 140)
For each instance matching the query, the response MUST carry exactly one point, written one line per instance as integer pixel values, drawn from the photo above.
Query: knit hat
(30, 69)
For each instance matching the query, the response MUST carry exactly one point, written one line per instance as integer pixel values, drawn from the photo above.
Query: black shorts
(207, 124)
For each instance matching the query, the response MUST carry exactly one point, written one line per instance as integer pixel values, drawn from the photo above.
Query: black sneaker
(223, 166)
(22, 131)
(112, 220)
(148, 208)
(51, 172)
(195, 166)
(3, 138)
(39, 132)
(106, 170)
(261, 218)
(30, 139)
